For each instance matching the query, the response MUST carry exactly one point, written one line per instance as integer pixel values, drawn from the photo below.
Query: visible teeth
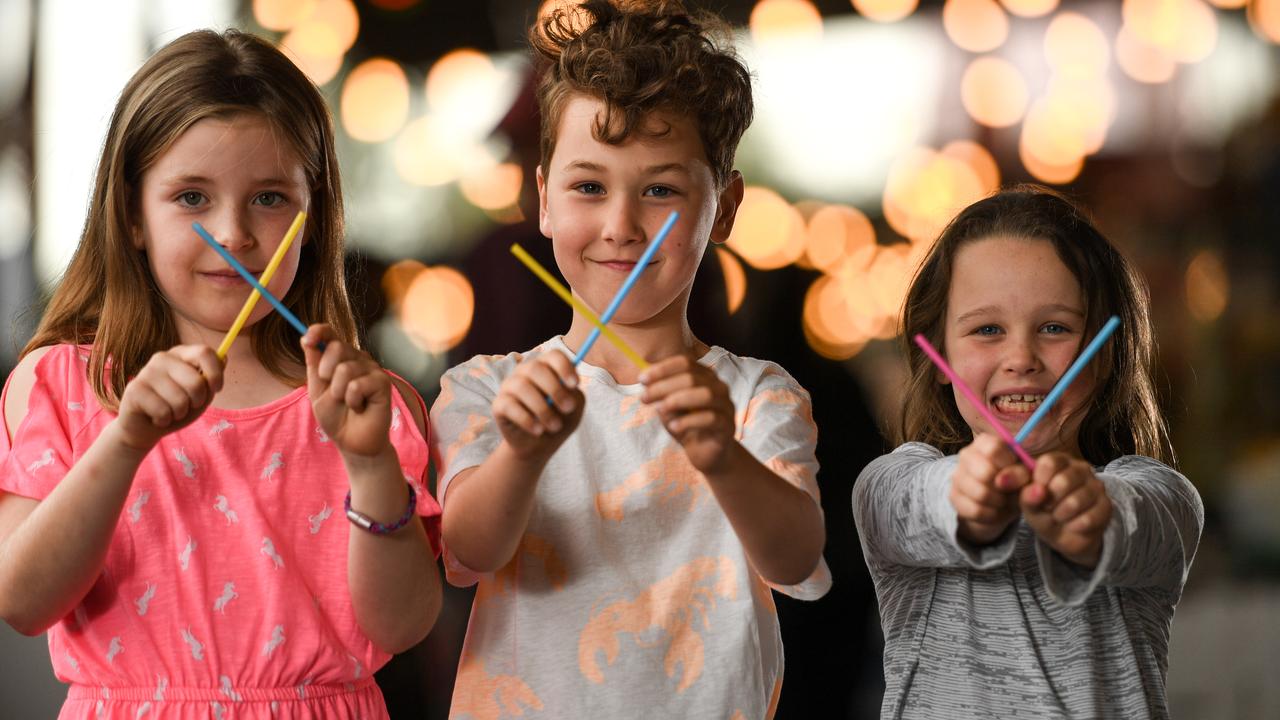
(1018, 402)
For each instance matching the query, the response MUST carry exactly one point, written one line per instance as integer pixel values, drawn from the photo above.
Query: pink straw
(981, 406)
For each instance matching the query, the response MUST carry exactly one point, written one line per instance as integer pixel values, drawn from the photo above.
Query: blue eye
(589, 188)
(1055, 329)
(269, 199)
(660, 191)
(190, 198)
(987, 330)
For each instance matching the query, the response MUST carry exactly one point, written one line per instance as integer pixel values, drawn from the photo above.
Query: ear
(727, 208)
(544, 222)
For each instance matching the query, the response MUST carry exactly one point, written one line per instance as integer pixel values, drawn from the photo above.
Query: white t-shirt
(630, 594)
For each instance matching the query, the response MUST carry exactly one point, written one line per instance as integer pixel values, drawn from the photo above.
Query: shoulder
(1139, 470)
(739, 371)
(895, 465)
(17, 392)
(491, 370)
(412, 400)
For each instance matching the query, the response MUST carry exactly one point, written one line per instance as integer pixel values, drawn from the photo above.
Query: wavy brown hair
(1123, 417)
(107, 297)
(638, 57)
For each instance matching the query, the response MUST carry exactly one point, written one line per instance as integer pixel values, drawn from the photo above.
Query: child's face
(1015, 321)
(244, 185)
(601, 204)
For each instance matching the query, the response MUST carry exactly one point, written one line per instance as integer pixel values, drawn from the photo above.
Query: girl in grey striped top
(1014, 593)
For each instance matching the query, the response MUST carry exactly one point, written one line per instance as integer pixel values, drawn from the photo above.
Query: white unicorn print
(321, 435)
(219, 712)
(277, 639)
(188, 467)
(143, 710)
(228, 594)
(145, 599)
(269, 549)
(218, 429)
(162, 684)
(277, 462)
(318, 519)
(197, 648)
(359, 669)
(229, 691)
(135, 510)
(302, 688)
(71, 660)
(73, 406)
(395, 418)
(114, 649)
(221, 506)
(46, 459)
(184, 558)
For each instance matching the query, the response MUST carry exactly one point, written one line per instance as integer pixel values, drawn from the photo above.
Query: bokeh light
(768, 233)
(281, 15)
(397, 279)
(1029, 8)
(1264, 18)
(885, 10)
(1208, 287)
(375, 100)
(493, 188)
(459, 80)
(785, 20)
(975, 25)
(1142, 62)
(840, 235)
(436, 311)
(1076, 47)
(925, 189)
(735, 279)
(993, 92)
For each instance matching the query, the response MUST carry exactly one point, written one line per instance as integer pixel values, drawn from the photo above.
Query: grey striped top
(1012, 629)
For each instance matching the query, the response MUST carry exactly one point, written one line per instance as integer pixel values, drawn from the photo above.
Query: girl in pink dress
(176, 523)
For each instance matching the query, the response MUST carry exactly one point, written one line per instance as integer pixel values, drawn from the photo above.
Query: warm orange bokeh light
(885, 10)
(975, 25)
(1228, 4)
(315, 50)
(493, 188)
(1054, 174)
(993, 92)
(828, 325)
(768, 232)
(785, 19)
(1186, 30)
(840, 236)
(1264, 18)
(1030, 8)
(456, 74)
(425, 153)
(1143, 62)
(735, 279)
(375, 100)
(397, 280)
(436, 311)
(925, 189)
(979, 159)
(1208, 286)
(281, 15)
(1075, 46)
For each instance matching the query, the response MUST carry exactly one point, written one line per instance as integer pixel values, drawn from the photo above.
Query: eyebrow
(651, 170)
(202, 180)
(988, 309)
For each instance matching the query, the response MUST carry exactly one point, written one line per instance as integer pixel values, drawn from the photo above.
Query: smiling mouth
(1017, 403)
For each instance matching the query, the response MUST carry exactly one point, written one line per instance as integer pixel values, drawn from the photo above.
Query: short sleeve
(464, 435)
(777, 428)
(413, 449)
(42, 450)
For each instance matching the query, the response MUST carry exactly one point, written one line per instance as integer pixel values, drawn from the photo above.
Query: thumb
(1033, 496)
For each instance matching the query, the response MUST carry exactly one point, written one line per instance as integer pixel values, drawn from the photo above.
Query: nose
(1021, 356)
(622, 223)
(233, 231)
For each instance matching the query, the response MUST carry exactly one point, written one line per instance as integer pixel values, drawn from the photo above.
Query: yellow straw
(568, 297)
(266, 278)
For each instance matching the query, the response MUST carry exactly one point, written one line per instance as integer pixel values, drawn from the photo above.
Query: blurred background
(876, 121)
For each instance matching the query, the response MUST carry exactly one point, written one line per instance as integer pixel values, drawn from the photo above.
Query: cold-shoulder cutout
(17, 391)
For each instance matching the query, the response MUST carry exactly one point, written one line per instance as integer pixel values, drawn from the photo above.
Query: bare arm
(489, 506)
(393, 579)
(42, 581)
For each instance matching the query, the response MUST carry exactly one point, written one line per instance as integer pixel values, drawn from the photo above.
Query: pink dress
(224, 593)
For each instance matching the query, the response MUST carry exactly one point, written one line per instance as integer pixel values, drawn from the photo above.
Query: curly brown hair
(1123, 416)
(638, 57)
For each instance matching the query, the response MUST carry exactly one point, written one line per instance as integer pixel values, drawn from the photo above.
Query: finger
(1012, 478)
(657, 390)
(1064, 483)
(369, 389)
(689, 399)
(314, 343)
(700, 420)
(506, 409)
(966, 509)
(172, 393)
(563, 367)
(1073, 504)
(157, 410)
(335, 353)
(534, 400)
(546, 379)
(978, 466)
(1032, 497)
(206, 361)
(1049, 465)
(1095, 519)
(666, 368)
(980, 493)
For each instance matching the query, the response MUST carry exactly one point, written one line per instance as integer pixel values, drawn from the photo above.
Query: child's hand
(1068, 507)
(984, 489)
(169, 393)
(350, 394)
(695, 408)
(531, 426)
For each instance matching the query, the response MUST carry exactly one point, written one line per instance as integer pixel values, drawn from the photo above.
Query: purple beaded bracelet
(369, 524)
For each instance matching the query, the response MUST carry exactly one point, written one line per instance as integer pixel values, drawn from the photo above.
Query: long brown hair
(637, 58)
(107, 296)
(1123, 416)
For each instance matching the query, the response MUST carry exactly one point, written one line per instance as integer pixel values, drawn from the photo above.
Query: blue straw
(643, 262)
(1056, 393)
(249, 278)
